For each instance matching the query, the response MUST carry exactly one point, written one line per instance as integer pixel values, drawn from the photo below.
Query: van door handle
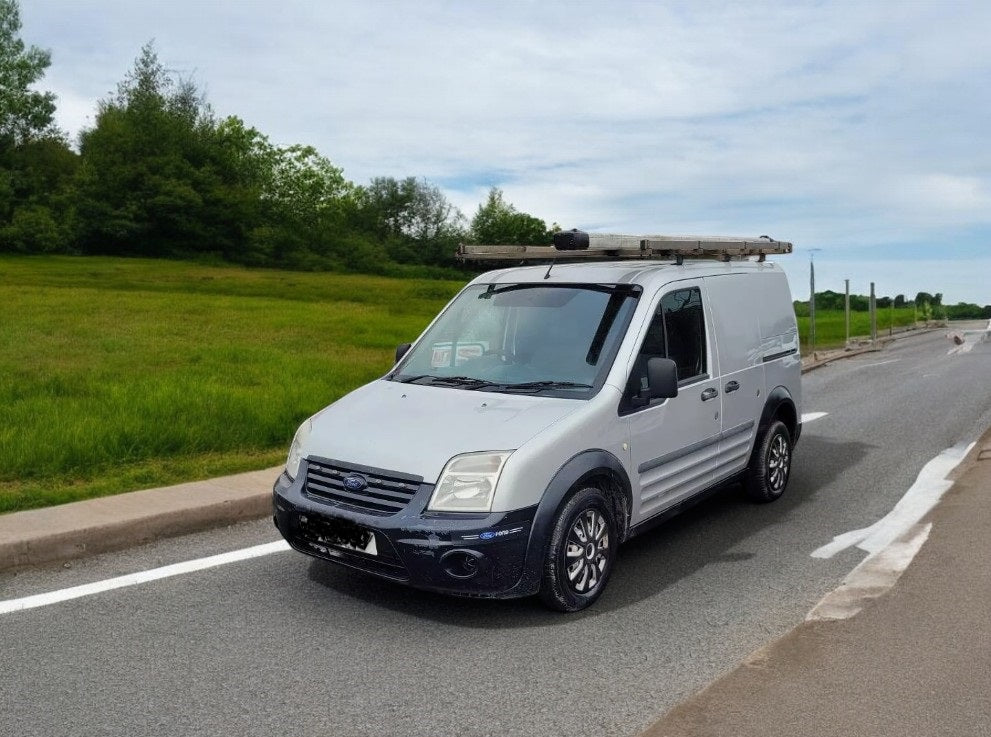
(732, 386)
(709, 394)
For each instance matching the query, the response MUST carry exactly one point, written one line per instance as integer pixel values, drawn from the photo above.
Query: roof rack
(574, 245)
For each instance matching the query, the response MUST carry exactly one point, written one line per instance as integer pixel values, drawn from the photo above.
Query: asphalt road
(284, 644)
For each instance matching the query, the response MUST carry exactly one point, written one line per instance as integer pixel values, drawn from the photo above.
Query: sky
(859, 131)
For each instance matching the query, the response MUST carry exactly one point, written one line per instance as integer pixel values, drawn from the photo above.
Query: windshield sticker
(441, 355)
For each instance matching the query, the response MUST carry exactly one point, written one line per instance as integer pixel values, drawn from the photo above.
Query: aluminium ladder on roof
(611, 247)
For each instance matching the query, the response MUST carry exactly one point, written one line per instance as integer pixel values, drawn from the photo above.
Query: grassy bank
(831, 325)
(117, 374)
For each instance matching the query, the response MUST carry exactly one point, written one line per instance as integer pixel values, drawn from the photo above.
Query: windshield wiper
(538, 385)
(460, 381)
(408, 379)
(466, 381)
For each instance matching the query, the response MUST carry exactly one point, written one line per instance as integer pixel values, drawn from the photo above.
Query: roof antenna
(549, 267)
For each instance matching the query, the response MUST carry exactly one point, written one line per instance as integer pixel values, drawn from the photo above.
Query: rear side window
(677, 331)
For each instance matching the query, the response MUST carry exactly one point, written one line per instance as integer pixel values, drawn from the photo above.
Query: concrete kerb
(976, 462)
(826, 357)
(67, 531)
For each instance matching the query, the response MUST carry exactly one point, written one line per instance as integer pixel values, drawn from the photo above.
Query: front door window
(677, 331)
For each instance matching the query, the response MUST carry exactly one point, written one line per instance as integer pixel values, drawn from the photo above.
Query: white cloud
(950, 193)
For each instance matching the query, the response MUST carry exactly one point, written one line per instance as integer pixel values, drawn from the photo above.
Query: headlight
(468, 482)
(296, 449)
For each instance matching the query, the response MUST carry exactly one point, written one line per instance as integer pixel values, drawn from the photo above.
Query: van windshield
(527, 338)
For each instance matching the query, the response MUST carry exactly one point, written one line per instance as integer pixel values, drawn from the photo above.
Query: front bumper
(466, 554)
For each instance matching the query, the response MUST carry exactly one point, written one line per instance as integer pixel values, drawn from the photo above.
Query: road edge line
(132, 579)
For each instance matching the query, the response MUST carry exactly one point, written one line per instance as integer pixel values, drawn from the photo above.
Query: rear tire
(770, 464)
(581, 552)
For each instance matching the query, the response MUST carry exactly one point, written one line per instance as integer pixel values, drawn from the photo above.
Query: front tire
(770, 464)
(581, 552)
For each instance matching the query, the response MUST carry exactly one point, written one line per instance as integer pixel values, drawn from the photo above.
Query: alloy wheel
(586, 553)
(778, 462)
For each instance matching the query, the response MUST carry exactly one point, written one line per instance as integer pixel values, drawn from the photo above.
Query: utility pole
(812, 302)
(873, 307)
(847, 343)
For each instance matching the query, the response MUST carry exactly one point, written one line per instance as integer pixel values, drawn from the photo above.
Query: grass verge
(117, 374)
(831, 326)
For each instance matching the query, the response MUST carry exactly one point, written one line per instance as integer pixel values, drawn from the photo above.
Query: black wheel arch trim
(585, 465)
(776, 398)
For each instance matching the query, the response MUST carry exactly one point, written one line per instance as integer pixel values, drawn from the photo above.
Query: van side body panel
(674, 443)
(780, 345)
(741, 377)
(754, 363)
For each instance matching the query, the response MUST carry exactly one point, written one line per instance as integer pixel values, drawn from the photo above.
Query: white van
(551, 412)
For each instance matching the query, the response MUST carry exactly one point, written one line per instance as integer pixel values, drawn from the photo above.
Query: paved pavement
(93, 526)
(915, 662)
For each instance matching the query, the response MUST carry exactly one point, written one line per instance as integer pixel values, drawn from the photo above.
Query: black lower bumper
(465, 554)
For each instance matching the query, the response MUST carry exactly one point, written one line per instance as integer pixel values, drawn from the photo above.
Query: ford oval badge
(355, 482)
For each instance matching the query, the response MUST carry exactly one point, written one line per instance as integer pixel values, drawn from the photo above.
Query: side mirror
(401, 350)
(662, 378)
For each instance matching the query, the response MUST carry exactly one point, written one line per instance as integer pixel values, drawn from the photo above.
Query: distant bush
(967, 311)
(32, 229)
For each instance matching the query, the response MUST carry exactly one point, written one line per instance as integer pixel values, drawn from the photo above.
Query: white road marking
(132, 579)
(922, 496)
(875, 575)
(893, 541)
(812, 416)
(879, 363)
(965, 347)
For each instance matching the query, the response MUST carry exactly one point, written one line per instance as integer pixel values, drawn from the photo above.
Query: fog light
(462, 563)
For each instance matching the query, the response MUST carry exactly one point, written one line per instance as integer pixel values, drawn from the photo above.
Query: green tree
(413, 218)
(306, 187)
(859, 303)
(499, 222)
(161, 176)
(25, 114)
(35, 196)
(156, 178)
(830, 300)
(307, 203)
(36, 164)
(246, 159)
(965, 311)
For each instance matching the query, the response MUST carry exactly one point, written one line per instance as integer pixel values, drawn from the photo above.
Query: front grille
(386, 493)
